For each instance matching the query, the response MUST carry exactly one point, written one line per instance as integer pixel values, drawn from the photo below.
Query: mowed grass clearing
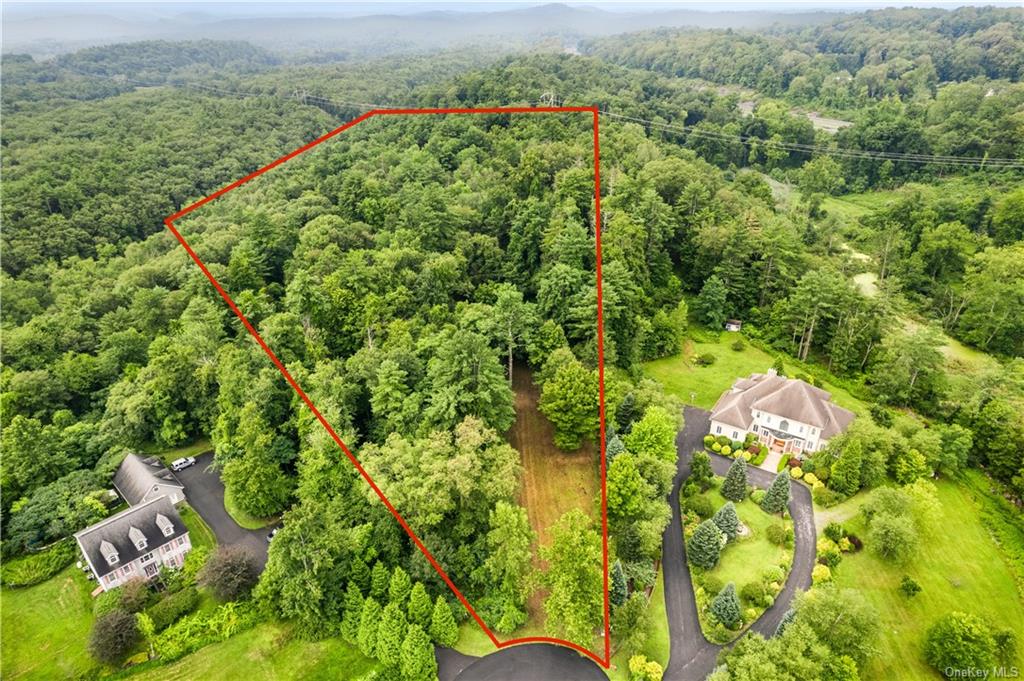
(680, 375)
(657, 646)
(958, 566)
(46, 628)
(268, 651)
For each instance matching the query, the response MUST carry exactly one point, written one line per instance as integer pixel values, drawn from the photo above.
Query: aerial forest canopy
(405, 269)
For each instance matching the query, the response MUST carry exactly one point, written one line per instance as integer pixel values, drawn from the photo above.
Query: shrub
(700, 505)
(855, 542)
(736, 445)
(113, 636)
(688, 490)
(777, 497)
(738, 345)
(135, 595)
(796, 473)
(230, 573)
(726, 450)
(845, 545)
(711, 583)
(106, 602)
(753, 592)
(793, 462)
(835, 531)
(726, 607)
(830, 556)
(201, 628)
(826, 498)
(880, 415)
(642, 669)
(705, 546)
(960, 641)
(36, 568)
(716, 447)
(811, 479)
(893, 537)
(171, 608)
(709, 440)
(779, 534)
(722, 440)
(734, 487)
(727, 520)
(908, 587)
(757, 496)
(705, 360)
(820, 574)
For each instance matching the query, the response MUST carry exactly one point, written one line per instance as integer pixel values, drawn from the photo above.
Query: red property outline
(169, 222)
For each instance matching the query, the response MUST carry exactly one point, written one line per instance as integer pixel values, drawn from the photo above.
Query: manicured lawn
(657, 646)
(746, 558)
(249, 522)
(168, 455)
(683, 378)
(199, 533)
(267, 652)
(46, 628)
(959, 567)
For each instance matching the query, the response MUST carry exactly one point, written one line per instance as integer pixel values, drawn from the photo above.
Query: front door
(778, 445)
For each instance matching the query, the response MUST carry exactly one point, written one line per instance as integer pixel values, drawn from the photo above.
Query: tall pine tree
(418, 661)
(379, 581)
(735, 486)
(369, 620)
(619, 590)
(727, 520)
(443, 629)
(777, 498)
(420, 606)
(352, 613)
(399, 587)
(705, 545)
(390, 635)
(700, 470)
(845, 476)
(726, 606)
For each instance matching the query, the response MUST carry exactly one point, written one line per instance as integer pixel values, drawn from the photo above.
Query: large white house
(135, 543)
(787, 414)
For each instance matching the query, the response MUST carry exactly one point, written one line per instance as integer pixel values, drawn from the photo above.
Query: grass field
(747, 557)
(959, 567)
(554, 482)
(681, 377)
(199, 533)
(168, 455)
(46, 629)
(267, 652)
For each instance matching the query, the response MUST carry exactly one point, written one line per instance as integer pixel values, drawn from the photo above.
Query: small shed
(733, 325)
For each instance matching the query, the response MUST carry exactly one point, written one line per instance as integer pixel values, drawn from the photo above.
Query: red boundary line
(169, 222)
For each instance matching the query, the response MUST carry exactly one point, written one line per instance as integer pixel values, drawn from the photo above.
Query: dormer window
(165, 525)
(784, 425)
(139, 539)
(109, 552)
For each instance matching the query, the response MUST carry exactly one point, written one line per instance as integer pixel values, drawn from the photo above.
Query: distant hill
(46, 31)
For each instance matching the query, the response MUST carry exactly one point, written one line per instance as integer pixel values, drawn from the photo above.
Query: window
(718, 429)
(146, 558)
(735, 435)
(127, 569)
(784, 425)
(111, 578)
(801, 429)
(181, 541)
(151, 569)
(814, 431)
(768, 419)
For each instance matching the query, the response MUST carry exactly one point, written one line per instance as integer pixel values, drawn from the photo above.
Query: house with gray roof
(787, 414)
(135, 543)
(138, 480)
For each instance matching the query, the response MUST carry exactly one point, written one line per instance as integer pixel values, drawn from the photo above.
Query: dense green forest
(400, 270)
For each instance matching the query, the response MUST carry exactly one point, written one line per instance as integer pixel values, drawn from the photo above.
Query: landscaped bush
(738, 345)
(705, 360)
(828, 553)
(908, 587)
(736, 445)
(811, 479)
(108, 601)
(855, 542)
(793, 462)
(688, 490)
(726, 450)
(716, 447)
(753, 592)
(835, 531)
(113, 636)
(135, 595)
(722, 440)
(38, 567)
(711, 583)
(757, 496)
(700, 505)
(796, 473)
(779, 534)
(820, 574)
(825, 497)
(773, 574)
(173, 607)
(726, 607)
(197, 630)
(709, 440)
(845, 545)
(960, 641)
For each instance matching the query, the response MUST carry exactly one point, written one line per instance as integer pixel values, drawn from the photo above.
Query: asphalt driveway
(205, 493)
(529, 662)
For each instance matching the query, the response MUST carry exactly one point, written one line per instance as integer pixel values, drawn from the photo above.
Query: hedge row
(38, 567)
(171, 608)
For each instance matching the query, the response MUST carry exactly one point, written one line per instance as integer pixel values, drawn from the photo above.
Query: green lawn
(745, 559)
(168, 455)
(267, 652)
(959, 567)
(199, 533)
(681, 377)
(249, 522)
(46, 628)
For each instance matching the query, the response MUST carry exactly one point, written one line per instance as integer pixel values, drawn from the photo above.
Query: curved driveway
(692, 656)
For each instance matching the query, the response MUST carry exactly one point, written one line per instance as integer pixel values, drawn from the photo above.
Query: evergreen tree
(705, 545)
(360, 574)
(420, 606)
(418, 662)
(779, 367)
(613, 449)
(700, 470)
(399, 587)
(735, 486)
(726, 606)
(727, 520)
(619, 590)
(777, 497)
(379, 581)
(625, 413)
(390, 634)
(845, 476)
(352, 613)
(369, 620)
(711, 304)
(443, 629)
(786, 620)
